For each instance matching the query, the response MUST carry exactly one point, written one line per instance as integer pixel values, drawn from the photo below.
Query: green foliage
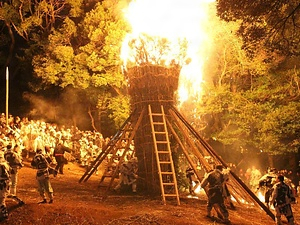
(87, 55)
(264, 117)
(119, 109)
(273, 23)
(247, 103)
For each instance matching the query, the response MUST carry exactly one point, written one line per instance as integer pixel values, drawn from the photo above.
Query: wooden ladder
(120, 149)
(110, 149)
(165, 165)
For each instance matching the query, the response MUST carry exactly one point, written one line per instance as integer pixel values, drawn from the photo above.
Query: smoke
(40, 107)
(66, 109)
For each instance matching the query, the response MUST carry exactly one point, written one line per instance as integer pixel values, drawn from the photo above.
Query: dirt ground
(82, 203)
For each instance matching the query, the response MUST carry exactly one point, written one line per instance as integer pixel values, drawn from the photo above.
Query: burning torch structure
(159, 131)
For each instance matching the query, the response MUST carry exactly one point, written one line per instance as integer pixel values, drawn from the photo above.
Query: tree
(86, 56)
(24, 27)
(274, 23)
(32, 19)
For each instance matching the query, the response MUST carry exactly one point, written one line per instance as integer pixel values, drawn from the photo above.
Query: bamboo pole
(7, 91)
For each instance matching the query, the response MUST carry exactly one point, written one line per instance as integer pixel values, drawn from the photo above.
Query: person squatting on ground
(128, 174)
(190, 174)
(215, 181)
(15, 162)
(281, 198)
(58, 153)
(4, 184)
(40, 163)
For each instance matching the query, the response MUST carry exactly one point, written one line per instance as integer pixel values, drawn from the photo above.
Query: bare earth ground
(81, 203)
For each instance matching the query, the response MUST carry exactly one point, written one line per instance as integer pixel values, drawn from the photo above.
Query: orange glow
(176, 21)
(260, 196)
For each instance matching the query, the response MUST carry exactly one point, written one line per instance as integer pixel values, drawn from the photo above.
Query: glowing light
(175, 20)
(260, 196)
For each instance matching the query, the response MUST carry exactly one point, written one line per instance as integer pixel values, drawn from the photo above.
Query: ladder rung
(161, 142)
(158, 123)
(157, 114)
(163, 152)
(169, 184)
(165, 162)
(160, 132)
(170, 195)
(166, 173)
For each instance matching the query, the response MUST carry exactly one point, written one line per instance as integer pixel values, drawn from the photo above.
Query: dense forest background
(65, 67)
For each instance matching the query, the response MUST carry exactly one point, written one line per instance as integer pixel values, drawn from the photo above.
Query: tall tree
(85, 55)
(276, 23)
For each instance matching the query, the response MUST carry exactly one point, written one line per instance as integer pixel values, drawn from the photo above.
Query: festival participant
(254, 177)
(4, 184)
(282, 197)
(190, 174)
(267, 181)
(40, 163)
(58, 153)
(128, 174)
(215, 181)
(15, 162)
(226, 193)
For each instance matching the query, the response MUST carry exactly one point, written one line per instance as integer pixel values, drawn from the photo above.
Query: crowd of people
(26, 136)
(50, 147)
(46, 145)
(252, 176)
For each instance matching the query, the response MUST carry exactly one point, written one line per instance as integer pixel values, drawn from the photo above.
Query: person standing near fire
(40, 163)
(266, 182)
(281, 198)
(215, 181)
(15, 162)
(58, 154)
(190, 174)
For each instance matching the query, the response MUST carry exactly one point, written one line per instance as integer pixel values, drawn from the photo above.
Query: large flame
(174, 20)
